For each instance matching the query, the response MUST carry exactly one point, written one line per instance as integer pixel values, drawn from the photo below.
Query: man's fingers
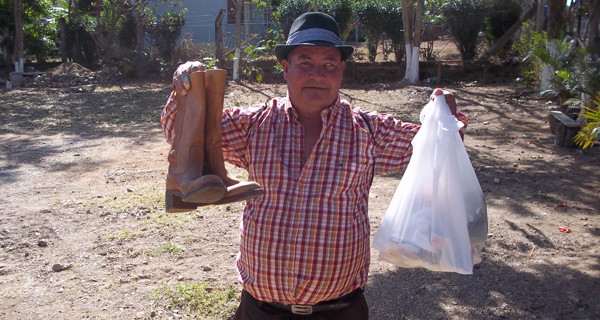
(448, 96)
(181, 80)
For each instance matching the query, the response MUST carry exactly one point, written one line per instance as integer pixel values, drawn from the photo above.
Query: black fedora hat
(313, 29)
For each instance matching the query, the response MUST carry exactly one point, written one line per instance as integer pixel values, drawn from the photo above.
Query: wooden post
(219, 39)
(19, 42)
(64, 51)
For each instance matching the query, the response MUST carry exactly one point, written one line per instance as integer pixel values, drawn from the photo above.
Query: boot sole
(174, 202)
(236, 197)
(206, 193)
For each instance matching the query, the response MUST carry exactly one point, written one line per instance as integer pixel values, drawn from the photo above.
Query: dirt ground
(83, 233)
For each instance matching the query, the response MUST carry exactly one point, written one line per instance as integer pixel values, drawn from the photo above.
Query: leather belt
(336, 304)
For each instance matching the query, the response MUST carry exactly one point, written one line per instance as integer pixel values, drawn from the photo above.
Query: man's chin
(316, 94)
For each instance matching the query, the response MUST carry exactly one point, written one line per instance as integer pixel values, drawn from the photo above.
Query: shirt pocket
(349, 177)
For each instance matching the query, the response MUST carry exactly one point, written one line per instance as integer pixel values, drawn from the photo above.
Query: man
(304, 244)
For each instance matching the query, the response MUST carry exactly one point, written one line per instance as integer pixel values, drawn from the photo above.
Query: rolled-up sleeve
(235, 128)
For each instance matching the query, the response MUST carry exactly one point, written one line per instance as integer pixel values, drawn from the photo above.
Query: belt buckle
(302, 309)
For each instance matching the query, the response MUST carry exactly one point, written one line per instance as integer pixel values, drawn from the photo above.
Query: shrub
(466, 20)
(529, 47)
(370, 13)
(165, 30)
(393, 27)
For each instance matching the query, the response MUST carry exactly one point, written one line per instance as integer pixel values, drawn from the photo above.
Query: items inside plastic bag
(437, 218)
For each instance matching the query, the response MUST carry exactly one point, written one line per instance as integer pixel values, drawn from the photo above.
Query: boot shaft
(189, 127)
(215, 96)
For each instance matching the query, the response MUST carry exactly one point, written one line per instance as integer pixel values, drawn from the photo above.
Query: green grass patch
(200, 300)
(170, 248)
(147, 200)
(125, 234)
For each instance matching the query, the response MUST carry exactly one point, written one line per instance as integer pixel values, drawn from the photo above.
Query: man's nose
(317, 71)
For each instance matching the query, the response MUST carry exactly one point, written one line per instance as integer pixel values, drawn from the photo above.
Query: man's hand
(451, 101)
(449, 96)
(181, 80)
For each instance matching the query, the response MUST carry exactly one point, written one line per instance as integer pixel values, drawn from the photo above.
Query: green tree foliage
(586, 138)
(126, 36)
(577, 69)
(290, 10)
(466, 20)
(165, 29)
(530, 46)
(370, 13)
(105, 30)
(502, 14)
(341, 11)
(40, 27)
(433, 11)
(393, 27)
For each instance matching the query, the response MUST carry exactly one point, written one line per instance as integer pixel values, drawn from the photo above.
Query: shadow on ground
(553, 292)
(39, 125)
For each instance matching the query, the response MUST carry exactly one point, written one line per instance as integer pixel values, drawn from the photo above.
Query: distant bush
(370, 14)
(466, 21)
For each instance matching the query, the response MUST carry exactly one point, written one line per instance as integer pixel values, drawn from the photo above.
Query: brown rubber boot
(186, 185)
(215, 94)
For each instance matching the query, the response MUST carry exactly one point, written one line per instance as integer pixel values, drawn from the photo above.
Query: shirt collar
(325, 113)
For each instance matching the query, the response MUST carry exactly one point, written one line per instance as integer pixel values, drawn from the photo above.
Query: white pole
(236, 65)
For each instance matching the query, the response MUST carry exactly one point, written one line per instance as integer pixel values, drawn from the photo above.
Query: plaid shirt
(306, 239)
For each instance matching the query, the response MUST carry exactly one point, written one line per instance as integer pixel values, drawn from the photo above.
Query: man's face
(314, 76)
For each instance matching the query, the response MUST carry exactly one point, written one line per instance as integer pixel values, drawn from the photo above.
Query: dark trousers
(252, 309)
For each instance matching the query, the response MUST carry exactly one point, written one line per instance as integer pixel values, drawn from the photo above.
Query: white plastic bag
(437, 218)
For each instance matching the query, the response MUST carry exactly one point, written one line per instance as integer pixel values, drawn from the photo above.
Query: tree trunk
(64, 51)
(556, 30)
(556, 19)
(140, 68)
(19, 42)
(99, 34)
(593, 34)
(412, 19)
(539, 16)
(238, 40)
(219, 39)
(139, 34)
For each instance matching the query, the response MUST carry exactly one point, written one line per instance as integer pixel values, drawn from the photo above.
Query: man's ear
(285, 65)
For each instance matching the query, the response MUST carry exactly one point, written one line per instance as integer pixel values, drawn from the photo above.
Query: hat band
(314, 34)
